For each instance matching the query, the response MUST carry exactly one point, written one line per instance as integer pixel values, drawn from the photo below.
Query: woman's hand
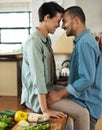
(54, 113)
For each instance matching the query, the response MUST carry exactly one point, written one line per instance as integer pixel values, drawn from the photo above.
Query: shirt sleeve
(34, 55)
(86, 68)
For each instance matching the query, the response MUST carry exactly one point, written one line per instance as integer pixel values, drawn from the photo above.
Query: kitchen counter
(55, 124)
(10, 74)
(12, 56)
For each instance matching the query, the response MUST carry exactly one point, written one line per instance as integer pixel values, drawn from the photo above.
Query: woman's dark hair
(50, 8)
(74, 11)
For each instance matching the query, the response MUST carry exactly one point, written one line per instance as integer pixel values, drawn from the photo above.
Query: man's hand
(52, 97)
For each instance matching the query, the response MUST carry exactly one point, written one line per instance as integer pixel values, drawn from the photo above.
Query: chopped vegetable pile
(9, 118)
(38, 127)
(6, 122)
(6, 119)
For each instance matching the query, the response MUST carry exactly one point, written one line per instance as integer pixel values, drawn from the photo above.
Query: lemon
(23, 123)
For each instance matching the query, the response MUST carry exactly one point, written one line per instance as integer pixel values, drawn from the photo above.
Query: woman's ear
(46, 17)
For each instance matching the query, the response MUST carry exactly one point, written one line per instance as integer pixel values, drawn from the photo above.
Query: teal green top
(35, 69)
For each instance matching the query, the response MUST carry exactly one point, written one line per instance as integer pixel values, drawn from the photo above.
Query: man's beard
(70, 32)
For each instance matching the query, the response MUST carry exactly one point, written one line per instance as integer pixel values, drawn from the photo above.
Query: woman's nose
(62, 25)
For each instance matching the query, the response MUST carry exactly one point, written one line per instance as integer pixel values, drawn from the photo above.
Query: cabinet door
(8, 78)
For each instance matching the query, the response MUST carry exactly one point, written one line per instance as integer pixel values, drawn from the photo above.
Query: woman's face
(53, 23)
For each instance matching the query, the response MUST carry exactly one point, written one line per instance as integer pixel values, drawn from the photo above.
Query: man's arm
(56, 95)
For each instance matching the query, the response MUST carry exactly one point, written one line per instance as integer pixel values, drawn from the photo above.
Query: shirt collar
(81, 35)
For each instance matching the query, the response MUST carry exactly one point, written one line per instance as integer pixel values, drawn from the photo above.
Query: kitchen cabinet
(64, 45)
(10, 74)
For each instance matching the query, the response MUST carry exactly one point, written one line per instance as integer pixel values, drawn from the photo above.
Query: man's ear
(76, 20)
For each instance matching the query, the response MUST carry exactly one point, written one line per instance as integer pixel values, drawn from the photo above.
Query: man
(84, 84)
(37, 73)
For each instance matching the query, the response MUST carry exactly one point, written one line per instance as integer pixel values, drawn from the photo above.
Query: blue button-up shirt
(85, 79)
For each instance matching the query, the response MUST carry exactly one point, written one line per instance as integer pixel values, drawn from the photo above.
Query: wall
(64, 44)
(15, 5)
(93, 11)
(35, 6)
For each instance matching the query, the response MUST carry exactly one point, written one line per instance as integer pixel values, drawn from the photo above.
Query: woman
(38, 73)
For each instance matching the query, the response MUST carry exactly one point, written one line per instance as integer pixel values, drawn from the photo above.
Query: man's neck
(80, 30)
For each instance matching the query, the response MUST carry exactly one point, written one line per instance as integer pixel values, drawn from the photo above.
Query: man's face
(68, 24)
(53, 23)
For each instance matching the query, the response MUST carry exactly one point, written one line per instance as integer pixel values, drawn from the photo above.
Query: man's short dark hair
(50, 8)
(76, 11)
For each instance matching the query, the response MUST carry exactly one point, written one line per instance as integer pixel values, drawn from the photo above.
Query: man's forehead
(66, 16)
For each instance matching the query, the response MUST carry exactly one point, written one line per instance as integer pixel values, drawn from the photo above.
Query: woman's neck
(42, 28)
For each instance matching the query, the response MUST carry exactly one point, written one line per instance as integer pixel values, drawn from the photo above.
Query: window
(14, 27)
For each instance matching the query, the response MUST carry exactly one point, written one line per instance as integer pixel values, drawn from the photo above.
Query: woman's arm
(43, 103)
(44, 107)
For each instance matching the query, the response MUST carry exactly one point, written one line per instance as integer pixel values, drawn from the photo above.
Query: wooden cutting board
(55, 124)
